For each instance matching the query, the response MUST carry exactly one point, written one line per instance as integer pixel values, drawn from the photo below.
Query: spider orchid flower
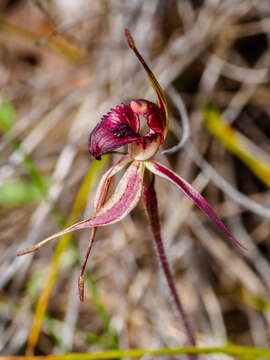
(121, 126)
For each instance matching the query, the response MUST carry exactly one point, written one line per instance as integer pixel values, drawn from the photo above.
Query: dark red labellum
(119, 127)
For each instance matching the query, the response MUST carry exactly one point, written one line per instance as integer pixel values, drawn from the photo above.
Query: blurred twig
(184, 119)
(225, 186)
(59, 45)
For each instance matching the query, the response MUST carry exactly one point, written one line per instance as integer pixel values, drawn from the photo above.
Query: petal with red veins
(145, 148)
(192, 193)
(119, 127)
(100, 198)
(121, 203)
(105, 181)
(155, 84)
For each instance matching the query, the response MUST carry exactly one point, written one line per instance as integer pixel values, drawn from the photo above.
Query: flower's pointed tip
(236, 242)
(130, 40)
(239, 244)
(26, 251)
(81, 287)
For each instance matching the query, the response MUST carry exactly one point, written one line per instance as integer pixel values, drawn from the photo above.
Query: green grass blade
(19, 192)
(237, 144)
(242, 352)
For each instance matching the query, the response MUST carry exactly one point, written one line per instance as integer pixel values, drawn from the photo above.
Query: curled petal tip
(130, 39)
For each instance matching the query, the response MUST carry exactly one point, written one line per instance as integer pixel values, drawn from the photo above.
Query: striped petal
(105, 181)
(145, 148)
(120, 204)
(157, 88)
(100, 198)
(192, 193)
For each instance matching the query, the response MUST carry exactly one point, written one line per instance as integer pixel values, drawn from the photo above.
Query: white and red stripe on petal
(104, 183)
(125, 198)
(121, 203)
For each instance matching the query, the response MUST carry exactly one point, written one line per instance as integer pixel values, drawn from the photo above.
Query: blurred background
(64, 64)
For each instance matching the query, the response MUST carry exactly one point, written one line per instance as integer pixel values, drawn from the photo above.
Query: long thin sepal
(192, 193)
(155, 84)
(151, 207)
(120, 204)
(100, 197)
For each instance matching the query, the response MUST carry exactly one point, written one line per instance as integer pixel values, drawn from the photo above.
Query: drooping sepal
(190, 192)
(100, 198)
(120, 204)
(119, 127)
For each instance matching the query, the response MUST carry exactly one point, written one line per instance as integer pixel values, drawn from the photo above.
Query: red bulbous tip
(139, 106)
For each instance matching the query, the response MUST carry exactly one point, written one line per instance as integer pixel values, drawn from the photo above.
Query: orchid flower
(121, 126)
